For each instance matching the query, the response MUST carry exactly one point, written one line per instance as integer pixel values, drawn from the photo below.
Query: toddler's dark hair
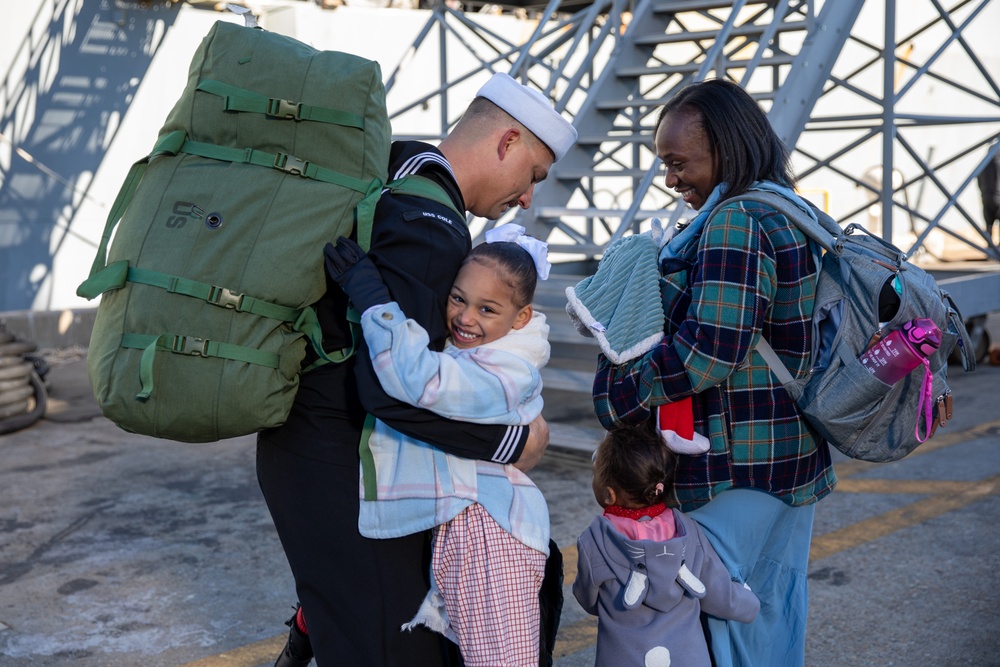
(514, 264)
(632, 460)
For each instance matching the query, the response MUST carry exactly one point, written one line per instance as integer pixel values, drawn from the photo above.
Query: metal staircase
(832, 89)
(819, 71)
(668, 44)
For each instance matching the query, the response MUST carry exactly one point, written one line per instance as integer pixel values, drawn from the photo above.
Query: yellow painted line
(884, 524)
(569, 564)
(263, 652)
(941, 439)
(576, 637)
(904, 486)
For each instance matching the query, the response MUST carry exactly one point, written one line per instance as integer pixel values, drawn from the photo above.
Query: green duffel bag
(274, 149)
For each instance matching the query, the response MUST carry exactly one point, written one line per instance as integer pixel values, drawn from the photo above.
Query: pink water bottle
(892, 358)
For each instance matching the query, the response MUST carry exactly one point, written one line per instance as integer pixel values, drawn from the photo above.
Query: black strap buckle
(196, 347)
(290, 164)
(220, 296)
(283, 109)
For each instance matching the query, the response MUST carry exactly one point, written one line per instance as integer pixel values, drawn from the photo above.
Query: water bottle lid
(923, 335)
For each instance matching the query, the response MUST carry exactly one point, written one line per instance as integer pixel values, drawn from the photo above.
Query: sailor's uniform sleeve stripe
(508, 445)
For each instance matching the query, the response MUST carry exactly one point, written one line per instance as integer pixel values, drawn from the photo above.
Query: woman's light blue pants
(765, 543)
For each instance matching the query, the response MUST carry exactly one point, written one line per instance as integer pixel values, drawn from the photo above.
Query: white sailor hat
(530, 108)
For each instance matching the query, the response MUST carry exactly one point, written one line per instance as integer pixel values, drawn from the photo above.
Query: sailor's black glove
(348, 264)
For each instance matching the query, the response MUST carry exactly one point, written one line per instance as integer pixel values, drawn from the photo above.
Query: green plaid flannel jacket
(754, 273)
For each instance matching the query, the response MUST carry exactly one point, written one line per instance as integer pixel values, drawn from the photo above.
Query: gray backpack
(855, 305)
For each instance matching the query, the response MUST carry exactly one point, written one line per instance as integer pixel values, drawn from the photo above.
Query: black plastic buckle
(196, 347)
(220, 296)
(290, 164)
(283, 109)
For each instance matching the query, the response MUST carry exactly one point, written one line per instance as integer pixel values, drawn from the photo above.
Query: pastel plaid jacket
(753, 273)
(419, 486)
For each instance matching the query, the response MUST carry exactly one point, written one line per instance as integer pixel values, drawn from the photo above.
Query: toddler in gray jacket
(645, 570)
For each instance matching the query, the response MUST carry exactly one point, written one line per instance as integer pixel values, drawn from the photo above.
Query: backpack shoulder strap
(421, 186)
(412, 184)
(416, 186)
(823, 231)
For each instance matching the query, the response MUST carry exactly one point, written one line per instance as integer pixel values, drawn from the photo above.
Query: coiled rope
(22, 389)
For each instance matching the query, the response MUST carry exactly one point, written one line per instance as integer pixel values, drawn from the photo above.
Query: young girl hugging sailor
(490, 522)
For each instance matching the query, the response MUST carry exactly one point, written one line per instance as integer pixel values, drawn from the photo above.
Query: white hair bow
(539, 250)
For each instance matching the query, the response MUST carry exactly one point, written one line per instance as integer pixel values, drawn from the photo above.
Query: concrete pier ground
(124, 550)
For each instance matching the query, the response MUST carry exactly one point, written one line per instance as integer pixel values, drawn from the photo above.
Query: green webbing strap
(190, 345)
(308, 324)
(111, 277)
(213, 294)
(367, 460)
(420, 186)
(364, 218)
(239, 99)
(365, 215)
(280, 161)
(417, 186)
(91, 287)
(303, 320)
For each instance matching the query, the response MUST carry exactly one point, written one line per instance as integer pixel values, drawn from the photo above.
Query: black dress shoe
(298, 650)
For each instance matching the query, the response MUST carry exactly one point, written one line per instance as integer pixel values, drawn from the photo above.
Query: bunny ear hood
(646, 570)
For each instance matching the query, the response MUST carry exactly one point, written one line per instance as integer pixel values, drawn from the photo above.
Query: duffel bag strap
(303, 320)
(368, 460)
(213, 294)
(95, 283)
(421, 186)
(280, 161)
(414, 185)
(364, 218)
(189, 345)
(417, 186)
(235, 98)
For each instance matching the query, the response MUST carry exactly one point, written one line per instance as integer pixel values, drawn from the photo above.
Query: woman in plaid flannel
(727, 279)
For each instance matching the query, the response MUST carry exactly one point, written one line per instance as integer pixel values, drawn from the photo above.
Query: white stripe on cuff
(508, 445)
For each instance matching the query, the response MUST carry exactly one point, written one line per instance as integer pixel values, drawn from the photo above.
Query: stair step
(568, 380)
(692, 67)
(641, 136)
(657, 38)
(549, 212)
(550, 295)
(588, 249)
(647, 103)
(577, 438)
(677, 6)
(574, 173)
(562, 331)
